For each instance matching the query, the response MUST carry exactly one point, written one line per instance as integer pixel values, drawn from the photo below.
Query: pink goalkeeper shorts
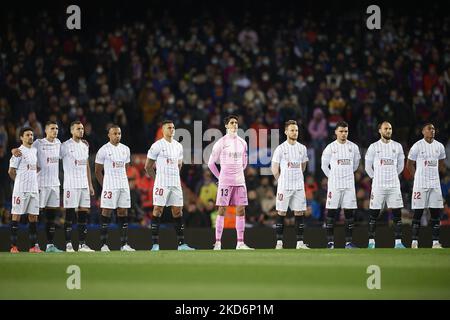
(232, 196)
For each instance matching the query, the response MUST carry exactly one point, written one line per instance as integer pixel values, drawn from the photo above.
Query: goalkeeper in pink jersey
(230, 152)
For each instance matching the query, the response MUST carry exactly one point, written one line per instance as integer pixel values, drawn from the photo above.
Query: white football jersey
(167, 154)
(384, 162)
(48, 154)
(26, 170)
(290, 157)
(427, 156)
(339, 162)
(113, 158)
(75, 156)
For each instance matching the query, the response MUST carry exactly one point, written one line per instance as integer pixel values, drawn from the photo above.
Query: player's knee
(122, 212)
(282, 213)
(176, 213)
(221, 211)
(299, 213)
(107, 213)
(32, 218)
(157, 211)
(240, 211)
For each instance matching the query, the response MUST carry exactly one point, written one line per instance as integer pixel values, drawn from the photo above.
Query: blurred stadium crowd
(313, 69)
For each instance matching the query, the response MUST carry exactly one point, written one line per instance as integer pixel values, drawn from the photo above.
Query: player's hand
(92, 191)
(16, 152)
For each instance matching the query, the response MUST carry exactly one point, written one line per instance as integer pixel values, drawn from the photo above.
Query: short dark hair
(342, 124)
(288, 123)
(113, 126)
(74, 123)
(25, 129)
(166, 122)
(228, 118)
(49, 123)
(427, 124)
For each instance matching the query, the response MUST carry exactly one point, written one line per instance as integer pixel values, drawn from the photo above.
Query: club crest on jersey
(31, 167)
(349, 149)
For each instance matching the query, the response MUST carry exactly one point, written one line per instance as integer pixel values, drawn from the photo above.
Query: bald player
(425, 160)
(25, 197)
(77, 185)
(113, 158)
(340, 159)
(231, 152)
(168, 155)
(384, 161)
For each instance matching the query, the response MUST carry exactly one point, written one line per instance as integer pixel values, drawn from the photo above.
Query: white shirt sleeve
(153, 152)
(276, 155)
(326, 158)
(369, 161)
(128, 160)
(413, 153)
(305, 155)
(356, 158)
(400, 160)
(442, 154)
(180, 153)
(100, 157)
(14, 162)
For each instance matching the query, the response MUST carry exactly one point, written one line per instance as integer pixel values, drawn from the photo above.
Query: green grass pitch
(229, 274)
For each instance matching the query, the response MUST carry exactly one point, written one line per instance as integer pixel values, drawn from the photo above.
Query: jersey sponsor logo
(235, 155)
(430, 163)
(52, 159)
(293, 165)
(343, 162)
(118, 164)
(80, 162)
(386, 162)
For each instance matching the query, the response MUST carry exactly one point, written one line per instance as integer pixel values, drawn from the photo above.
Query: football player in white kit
(25, 197)
(77, 185)
(340, 159)
(48, 151)
(288, 164)
(384, 161)
(168, 155)
(425, 160)
(114, 158)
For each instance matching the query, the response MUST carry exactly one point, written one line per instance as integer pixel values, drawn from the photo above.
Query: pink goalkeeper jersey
(231, 152)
